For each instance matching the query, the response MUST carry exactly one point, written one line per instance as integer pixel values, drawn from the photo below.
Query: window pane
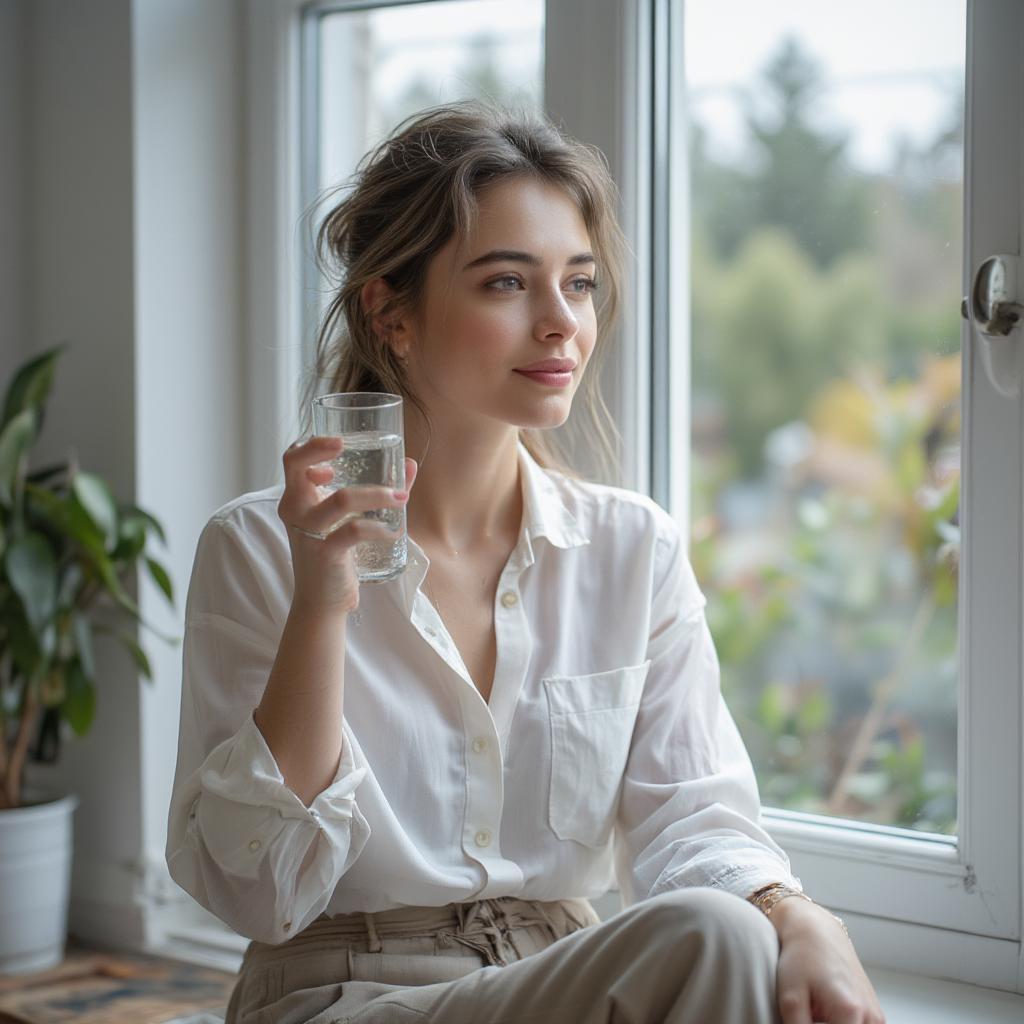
(378, 66)
(826, 193)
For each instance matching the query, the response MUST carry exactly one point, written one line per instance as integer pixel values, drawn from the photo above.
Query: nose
(555, 320)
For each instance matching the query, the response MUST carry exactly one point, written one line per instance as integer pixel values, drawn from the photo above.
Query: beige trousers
(694, 956)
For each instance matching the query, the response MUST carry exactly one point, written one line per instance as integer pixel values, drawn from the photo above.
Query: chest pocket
(592, 721)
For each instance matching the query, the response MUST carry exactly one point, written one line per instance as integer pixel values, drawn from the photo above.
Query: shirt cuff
(245, 803)
(741, 879)
(744, 880)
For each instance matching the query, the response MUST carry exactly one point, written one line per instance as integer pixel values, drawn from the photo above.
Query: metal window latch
(994, 313)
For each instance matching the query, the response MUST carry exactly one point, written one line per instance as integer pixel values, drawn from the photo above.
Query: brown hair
(408, 197)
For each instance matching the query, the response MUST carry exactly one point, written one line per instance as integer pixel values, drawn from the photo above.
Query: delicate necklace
(430, 589)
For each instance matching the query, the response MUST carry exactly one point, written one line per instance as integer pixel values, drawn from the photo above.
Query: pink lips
(553, 365)
(557, 380)
(554, 372)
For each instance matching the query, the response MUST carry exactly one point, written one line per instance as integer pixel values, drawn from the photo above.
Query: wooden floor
(97, 987)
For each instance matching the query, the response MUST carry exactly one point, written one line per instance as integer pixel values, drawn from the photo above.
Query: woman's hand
(325, 571)
(820, 978)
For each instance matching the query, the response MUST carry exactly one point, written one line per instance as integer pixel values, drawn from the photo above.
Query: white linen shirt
(605, 752)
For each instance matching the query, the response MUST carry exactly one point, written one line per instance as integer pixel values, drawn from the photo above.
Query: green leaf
(814, 714)
(134, 512)
(32, 570)
(93, 494)
(82, 631)
(39, 476)
(133, 648)
(770, 708)
(107, 573)
(131, 538)
(69, 584)
(24, 645)
(48, 640)
(15, 440)
(31, 385)
(67, 517)
(79, 705)
(162, 578)
(137, 653)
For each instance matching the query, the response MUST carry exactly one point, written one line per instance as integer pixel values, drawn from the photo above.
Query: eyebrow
(515, 256)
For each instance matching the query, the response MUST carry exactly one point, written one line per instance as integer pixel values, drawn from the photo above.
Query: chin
(547, 419)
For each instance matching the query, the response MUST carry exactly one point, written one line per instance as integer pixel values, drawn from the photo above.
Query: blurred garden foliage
(826, 393)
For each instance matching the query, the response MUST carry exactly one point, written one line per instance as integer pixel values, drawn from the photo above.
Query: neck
(467, 497)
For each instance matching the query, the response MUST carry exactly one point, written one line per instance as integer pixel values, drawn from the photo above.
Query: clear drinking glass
(370, 424)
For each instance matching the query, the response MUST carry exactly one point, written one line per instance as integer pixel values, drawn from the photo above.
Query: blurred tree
(825, 459)
(796, 176)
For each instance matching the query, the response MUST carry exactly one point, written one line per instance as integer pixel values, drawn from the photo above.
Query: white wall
(12, 188)
(78, 224)
(189, 338)
(132, 187)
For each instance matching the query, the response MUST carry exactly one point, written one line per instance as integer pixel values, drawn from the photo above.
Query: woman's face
(514, 293)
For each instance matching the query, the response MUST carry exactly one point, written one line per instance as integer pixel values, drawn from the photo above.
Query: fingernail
(401, 495)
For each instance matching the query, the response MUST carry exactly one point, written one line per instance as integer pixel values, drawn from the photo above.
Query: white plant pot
(35, 882)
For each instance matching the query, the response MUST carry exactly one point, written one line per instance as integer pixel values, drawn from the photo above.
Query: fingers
(348, 503)
(350, 532)
(300, 489)
(305, 509)
(795, 1007)
(300, 457)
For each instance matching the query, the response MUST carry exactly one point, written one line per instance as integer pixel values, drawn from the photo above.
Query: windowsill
(913, 999)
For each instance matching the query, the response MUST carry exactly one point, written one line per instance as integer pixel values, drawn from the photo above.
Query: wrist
(791, 910)
(315, 612)
(793, 914)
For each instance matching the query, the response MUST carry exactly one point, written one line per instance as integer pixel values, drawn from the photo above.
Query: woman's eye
(588, 285)
(504, 284)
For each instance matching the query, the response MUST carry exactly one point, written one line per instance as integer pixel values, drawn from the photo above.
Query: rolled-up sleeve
(689, 812)
(239, 840)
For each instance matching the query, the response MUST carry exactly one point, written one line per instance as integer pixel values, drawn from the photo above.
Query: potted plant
(66, 549)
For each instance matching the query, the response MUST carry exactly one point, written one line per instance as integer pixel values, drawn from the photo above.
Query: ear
(391, 327)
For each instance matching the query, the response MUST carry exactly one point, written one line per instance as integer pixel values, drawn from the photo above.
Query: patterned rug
(92, 987)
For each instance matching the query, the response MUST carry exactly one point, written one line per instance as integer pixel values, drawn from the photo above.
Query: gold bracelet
(768, 896)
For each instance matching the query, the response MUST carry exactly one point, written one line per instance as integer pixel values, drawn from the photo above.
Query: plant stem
(3, 746)
(10, 796)
(883, 693)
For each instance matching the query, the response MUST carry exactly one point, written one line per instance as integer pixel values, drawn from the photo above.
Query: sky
(893, 67)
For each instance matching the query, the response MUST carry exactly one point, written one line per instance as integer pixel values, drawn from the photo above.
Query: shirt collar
(544, 512)
(544, 515)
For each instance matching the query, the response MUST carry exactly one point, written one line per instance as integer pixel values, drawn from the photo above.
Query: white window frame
(936, 906)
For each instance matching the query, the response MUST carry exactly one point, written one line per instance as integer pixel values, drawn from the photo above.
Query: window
(933, 888)
(924, 891)
(922, 894)
(826, 199)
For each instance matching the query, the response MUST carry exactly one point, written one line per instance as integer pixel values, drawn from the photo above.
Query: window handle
(994, 313)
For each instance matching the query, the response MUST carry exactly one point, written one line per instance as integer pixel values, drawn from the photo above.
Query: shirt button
(483, 837)
(509, 599)
(480, 744)
(254, 845)
(430, 631)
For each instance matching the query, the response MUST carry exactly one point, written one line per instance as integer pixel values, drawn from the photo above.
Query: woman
(407, 810)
